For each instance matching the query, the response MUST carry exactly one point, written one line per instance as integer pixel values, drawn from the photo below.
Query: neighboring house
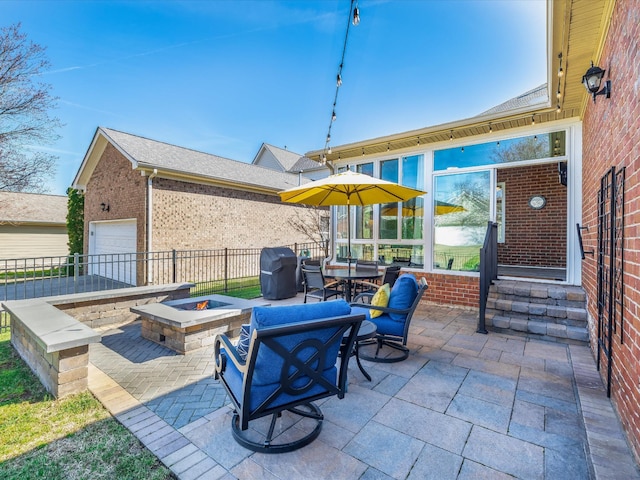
(553, 166)
(32, 225)
(145, 195)
(283, 160)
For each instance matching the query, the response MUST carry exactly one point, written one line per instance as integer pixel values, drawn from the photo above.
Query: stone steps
(549, 311)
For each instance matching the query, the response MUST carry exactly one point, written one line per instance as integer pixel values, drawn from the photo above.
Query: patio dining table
(348, 275)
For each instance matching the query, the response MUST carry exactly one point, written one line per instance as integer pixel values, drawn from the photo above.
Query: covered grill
(278, 273)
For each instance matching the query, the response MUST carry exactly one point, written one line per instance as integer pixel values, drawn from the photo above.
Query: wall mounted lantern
(591, 81)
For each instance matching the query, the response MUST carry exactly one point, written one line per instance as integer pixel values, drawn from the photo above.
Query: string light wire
(354, 14)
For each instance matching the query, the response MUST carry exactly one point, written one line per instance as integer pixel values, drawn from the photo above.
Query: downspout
(150, 225)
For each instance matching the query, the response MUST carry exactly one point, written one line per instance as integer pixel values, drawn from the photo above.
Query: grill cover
(278, 273)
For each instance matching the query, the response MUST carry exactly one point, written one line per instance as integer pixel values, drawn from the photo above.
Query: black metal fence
(213, 271)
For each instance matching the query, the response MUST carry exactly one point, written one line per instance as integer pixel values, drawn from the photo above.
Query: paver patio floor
(462, 406)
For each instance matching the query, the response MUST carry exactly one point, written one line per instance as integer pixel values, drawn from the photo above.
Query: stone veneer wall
(114, 310)
(194, 337)
(62, 373)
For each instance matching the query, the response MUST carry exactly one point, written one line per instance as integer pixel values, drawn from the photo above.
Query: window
(388, 213)
(413, 210)
(405, 255)
(500, 208)
(461, 212)
(505, 151)
(364, 214)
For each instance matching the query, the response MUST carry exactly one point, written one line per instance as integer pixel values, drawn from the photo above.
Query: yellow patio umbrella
(348, 188)
(442, 208)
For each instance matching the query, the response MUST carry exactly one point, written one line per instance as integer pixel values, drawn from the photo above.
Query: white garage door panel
(113, 246)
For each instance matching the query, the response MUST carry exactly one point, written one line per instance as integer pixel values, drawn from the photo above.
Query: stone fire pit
(180, 326)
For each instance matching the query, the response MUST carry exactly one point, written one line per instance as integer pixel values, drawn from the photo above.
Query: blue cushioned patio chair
(291, 362)
(393, 324)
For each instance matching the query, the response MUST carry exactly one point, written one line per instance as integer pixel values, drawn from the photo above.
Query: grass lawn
(73, 438)
(247, 288)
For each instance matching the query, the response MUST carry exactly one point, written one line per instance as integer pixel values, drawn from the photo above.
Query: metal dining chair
(365, 266)
(315, 285)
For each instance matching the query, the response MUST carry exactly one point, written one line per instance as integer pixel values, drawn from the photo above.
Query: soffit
(576, 28)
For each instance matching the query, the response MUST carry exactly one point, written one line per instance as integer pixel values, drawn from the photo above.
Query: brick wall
(115, 183)
(611, 137)
(460, 290)
(186, 215)
(534, 237)
(193, 216)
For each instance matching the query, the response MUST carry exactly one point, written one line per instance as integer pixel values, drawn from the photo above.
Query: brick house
(33, 225)
(146, 195)
(556, 168)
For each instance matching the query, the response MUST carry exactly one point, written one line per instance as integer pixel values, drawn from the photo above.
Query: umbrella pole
(348, 234)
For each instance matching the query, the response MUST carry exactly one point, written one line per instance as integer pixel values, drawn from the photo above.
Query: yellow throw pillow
(380, 299)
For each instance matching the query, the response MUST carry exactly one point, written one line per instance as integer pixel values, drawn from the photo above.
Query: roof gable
(535, 96)
(172, 161)
(270, 156)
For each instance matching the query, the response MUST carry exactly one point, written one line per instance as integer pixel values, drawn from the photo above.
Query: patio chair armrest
(333, 284)
(360, 299)
(403, 311)
(231, 353)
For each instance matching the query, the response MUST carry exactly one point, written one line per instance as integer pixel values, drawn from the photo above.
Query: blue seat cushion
(269, 363)
(384, 323)
(284, 314)
(403, 293)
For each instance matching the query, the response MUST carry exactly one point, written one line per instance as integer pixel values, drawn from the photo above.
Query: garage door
(112, 247)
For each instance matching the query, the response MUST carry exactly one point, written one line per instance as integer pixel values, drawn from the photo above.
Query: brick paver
(463, 405)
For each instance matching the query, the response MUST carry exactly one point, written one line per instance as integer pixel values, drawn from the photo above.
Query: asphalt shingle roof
(527, 99)
(155, 154)
(32, 208)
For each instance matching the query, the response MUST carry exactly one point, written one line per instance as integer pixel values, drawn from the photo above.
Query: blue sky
(225, 76)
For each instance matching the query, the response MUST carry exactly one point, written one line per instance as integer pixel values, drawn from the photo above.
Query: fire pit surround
(188, 324)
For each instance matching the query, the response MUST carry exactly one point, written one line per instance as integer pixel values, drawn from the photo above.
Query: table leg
(356, 354)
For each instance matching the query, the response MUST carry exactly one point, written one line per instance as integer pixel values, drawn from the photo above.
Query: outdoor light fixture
(560, 71)
(592, 80)
(356, 16)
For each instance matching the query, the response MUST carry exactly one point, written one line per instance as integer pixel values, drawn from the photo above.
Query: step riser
(538, 301)
(546, 311)
(540, 311)
(544, 331)
(537, 318)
